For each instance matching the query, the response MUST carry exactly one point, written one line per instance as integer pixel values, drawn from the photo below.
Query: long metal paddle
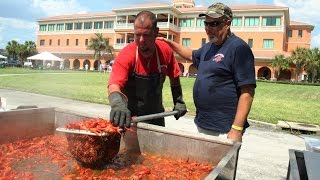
(134, 120)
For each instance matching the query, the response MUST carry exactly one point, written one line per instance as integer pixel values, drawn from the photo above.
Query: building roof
(155, 5)
(265, 54)
(257, 7)
(296, 23)
(78, 16)
(143, 6)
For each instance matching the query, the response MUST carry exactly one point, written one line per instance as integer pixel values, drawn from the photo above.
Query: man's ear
(229, 22)
(156, 31)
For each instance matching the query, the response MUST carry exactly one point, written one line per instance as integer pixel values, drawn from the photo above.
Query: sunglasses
(213, 23)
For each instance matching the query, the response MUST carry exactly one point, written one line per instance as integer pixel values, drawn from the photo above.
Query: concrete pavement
(263, 155)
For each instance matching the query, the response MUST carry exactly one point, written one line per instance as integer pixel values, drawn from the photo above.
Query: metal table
(303, 165)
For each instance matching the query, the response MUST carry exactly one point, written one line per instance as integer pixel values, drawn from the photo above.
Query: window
(88, 25)
(271, 21)
(51, 27)
(43, 28)
(250, 43)
(77, 26)
(67, 43)
(86, 42)
(69, 26)
(200, 22)
(121, 20)
(290, 33)
(108, 24)
(60, 27)
(268, 43)
(58, 42)
(237, 21)
(186, 22)
(203, 41)
(77, 42)
(50, 42)
(119, 40)
(130, 40)
(98, 25)
(300, 34)
(42, 42)
(186, 42)
(251, 21)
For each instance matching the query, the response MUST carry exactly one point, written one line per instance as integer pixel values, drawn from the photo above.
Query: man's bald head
(146, 15)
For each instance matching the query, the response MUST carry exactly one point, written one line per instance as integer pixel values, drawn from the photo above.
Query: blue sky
(18, 17)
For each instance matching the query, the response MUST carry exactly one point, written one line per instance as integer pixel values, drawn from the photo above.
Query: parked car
(13, 63)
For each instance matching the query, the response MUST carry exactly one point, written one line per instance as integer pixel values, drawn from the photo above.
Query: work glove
(178, 102)
(120, 115)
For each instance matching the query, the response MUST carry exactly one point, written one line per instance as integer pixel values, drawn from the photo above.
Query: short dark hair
(150, 15)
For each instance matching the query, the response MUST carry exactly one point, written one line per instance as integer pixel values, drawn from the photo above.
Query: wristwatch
(238, 128)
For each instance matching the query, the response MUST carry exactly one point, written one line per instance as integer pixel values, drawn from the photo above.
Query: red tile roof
(73, 16)
(251, 7)
(294, 23)
(235, 8)
(268, 54)
(144, 6)
(196, 8)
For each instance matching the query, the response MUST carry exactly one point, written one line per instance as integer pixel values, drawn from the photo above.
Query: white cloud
(16, 23)
(2, 43)
(59, 7)
(12, 29)
(302, 10)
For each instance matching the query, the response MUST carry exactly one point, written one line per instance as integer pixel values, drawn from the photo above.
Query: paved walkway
(263, 155)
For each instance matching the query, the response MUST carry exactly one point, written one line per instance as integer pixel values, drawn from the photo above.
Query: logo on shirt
(218, 57)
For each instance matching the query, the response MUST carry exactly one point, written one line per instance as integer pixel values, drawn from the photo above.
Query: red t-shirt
(124, 64)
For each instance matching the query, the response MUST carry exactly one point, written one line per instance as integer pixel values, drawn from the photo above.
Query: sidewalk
(263, 156)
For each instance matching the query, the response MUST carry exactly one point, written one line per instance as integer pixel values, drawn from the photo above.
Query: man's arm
(243, 109)
(120, 115)
(183, 51)
(112, 88)
(177, 97)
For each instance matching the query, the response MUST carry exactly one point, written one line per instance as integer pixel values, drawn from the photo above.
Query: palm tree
(280, 63)
(100, 44)
(12, 49)
(313, 63)
(25, 50)
(31, 48)
(298, 57)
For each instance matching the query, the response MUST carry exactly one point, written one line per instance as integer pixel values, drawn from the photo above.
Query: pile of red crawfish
(94, 151)
(47, 157)
(53, 157)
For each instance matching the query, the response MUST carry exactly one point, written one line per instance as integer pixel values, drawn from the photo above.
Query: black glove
(119, 114)
(179, 104)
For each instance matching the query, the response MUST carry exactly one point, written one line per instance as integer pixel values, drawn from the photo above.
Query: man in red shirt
(138, 74)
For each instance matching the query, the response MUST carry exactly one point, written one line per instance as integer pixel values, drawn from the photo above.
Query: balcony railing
(119, 45)
(161, 25)
(123, 26)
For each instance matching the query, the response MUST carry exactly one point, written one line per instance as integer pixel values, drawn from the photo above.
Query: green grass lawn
(272, 101)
